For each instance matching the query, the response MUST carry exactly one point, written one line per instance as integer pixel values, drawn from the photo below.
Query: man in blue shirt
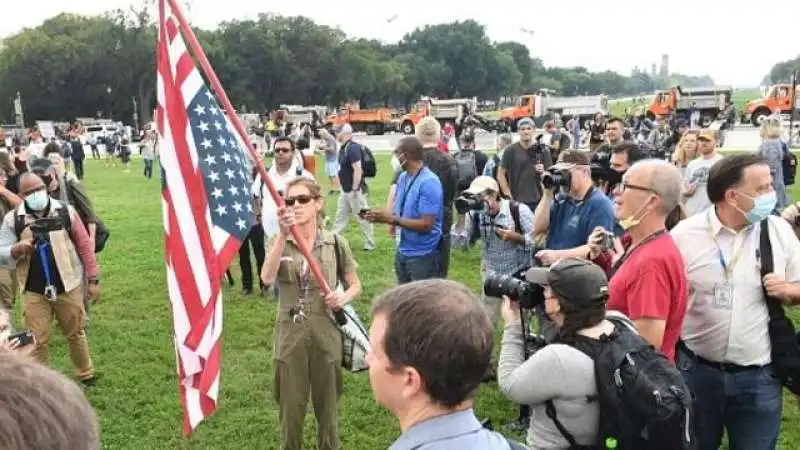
(418, 214)
(431, 344)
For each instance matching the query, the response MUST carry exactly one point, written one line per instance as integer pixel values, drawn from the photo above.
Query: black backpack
(644, 401)
(467, 167)
(368, 165)
(789, 165)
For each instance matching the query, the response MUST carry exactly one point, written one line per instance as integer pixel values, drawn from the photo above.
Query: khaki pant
(8, 288)
(308, 368)
(350, 205)
(68, 310)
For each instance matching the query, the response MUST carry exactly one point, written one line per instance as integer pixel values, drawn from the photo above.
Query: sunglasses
(301, 199)
(283, 150)
(625, 186)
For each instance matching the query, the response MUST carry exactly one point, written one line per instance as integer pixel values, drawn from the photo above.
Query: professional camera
(600, 166)
(556, 178)
(42, 227)
(528, 295)
(467, 203)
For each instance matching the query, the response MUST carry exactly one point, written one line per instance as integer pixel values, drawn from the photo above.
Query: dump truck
(779, 98)
(677, 102)
(372, 121)
(543, 105)
(454, 111)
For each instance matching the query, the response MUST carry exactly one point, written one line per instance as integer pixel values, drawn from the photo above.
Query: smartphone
(363, 212)
(608, 241)
(23, 338)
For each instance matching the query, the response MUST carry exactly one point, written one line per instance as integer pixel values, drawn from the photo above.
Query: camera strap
(407, 190)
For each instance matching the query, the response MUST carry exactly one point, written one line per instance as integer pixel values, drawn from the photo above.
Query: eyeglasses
(283, 150)
(625, 186)
(301, 199)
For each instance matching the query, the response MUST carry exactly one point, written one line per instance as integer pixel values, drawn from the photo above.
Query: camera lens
(527, 294)
(552, 180)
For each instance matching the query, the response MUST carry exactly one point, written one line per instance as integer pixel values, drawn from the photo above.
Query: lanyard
(633, 248)
(406, 191)
(727, 266)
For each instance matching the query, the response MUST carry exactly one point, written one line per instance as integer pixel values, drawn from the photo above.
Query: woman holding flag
(308, 343)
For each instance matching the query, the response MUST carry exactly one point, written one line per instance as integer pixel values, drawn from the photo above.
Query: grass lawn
(131, 338)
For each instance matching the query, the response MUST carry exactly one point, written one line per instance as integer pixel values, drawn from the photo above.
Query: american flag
(207, 205)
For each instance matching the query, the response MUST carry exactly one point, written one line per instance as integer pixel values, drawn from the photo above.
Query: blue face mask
(763, 205)
(37, 201)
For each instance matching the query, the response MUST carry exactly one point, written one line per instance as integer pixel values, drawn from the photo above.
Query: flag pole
(219, 92)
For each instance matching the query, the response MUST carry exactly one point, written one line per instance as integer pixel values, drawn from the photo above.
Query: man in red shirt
(649, 277)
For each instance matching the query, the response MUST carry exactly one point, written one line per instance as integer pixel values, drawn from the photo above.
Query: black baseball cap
(575, 280)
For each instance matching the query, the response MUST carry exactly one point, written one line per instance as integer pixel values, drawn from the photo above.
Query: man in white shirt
(725, 353)
(696, 175)
(284, 169)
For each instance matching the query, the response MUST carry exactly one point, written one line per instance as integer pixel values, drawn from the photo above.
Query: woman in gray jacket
(575, 300)
(771, 149)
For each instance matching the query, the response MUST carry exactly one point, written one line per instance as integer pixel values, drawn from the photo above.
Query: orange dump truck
(779, 98)
(678, 102)
(371, 121)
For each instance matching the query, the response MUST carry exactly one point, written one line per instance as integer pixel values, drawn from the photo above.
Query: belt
(718, 366)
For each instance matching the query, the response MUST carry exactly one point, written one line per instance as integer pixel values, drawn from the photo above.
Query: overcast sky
(714, 37)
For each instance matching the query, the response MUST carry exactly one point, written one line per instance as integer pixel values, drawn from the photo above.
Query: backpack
(644, 401)
(467, 168)
(476, 226)
(368, 165)
(355, 338)
(789, 165)
(63, 215)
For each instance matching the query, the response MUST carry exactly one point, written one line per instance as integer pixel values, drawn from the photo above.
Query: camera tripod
(522, 422)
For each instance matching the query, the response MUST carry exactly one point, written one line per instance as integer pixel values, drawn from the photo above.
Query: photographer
(522, 166)
(648, 280)
(558, 376)
(51, 249)
(504, 226)
(570, 209)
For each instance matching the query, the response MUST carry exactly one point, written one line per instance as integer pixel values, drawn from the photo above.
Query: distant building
(664, 66)
(653, 70)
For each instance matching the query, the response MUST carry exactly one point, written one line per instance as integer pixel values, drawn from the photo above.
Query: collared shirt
(455, 431)
(499, 256)
(736, 334)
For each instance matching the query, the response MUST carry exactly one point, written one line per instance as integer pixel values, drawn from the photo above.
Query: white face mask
(395, 162)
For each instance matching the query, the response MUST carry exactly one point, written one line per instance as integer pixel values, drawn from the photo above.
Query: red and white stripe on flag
(205, 214)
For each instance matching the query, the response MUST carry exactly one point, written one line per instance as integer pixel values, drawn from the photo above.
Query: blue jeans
(148, 168)
(747, 404)
(414, 268)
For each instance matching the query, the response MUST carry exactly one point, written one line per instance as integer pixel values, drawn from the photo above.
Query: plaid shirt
(499, 256)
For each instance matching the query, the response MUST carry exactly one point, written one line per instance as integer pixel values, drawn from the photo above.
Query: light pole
(108, 91)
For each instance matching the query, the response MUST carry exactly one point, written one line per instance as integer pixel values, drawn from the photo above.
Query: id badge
(723, 296)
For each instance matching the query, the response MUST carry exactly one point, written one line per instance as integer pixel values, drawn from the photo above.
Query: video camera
(467, 202)
(600, 166)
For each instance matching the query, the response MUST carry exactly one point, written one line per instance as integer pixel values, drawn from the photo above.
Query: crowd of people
(661, 250)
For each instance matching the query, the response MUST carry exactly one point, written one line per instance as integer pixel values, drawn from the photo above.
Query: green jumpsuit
(308, 354)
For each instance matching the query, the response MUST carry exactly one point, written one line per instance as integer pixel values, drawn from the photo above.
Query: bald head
(663, 178)
(29, 182)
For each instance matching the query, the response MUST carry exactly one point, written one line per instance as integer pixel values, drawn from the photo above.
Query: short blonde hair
(429, 131)
(771, 128)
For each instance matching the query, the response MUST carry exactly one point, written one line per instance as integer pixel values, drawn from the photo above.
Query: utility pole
(20, 118)
(794, 103)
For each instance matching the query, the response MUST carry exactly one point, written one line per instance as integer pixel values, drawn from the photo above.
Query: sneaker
(90, 382)
(247, 291)
(368, 249)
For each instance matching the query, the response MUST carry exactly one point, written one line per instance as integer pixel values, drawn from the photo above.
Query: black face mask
(47, 179)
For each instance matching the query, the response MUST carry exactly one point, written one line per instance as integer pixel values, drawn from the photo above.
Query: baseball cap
(525, 121)
(575, 280)
(708, 135)
(482, 184)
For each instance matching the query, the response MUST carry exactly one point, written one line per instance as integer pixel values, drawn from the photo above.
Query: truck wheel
(407, 128)
(370, 128)
(650, 116)
(758, 116)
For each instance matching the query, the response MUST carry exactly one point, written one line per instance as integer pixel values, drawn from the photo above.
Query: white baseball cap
(482, 184)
